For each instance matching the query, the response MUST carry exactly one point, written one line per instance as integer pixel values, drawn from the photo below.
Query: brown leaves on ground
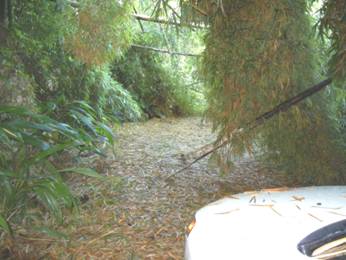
(134, 214)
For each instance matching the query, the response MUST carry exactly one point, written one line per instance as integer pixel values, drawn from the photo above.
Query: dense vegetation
(65, 83)
(72, 70)
(264, 60)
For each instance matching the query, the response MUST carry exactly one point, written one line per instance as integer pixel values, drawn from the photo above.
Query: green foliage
(102, 31)
(82, 117)
(36, 48)
(141, 73)
(257, 55)
(60, 58)
(111, 98)
(51, 233)
(39, 23)
(332, 26)
(5, 226)
(56, 60)
(156, 85)
(42, 54)
(28, 175)
(44, 44)
(338, 113)
(83, 171)
(332, 29)
(94, 32)
(31, 141)
(164, 84)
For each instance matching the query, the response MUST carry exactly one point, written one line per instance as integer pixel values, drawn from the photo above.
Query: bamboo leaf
(51, 233)
(84, 171)
(5, 226)
(51, 151)
(106, 131)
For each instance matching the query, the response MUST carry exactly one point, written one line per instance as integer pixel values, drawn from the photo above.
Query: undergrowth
(158, 90)
(29, 175)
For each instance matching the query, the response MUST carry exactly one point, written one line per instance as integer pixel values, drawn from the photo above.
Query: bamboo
(163, 21)
(282, 107)
(164, 51)
(146, 18)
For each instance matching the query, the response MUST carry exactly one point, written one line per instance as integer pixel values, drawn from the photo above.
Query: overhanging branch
(282, 107)
(163, 21)
(146, 18)
(165, 51)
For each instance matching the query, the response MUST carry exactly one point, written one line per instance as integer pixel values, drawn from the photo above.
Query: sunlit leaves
(113, 99)
(102, 31)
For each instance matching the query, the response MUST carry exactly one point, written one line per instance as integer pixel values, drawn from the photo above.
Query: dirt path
(138, 214)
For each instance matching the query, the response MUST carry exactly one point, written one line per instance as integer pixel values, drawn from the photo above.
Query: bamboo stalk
(282, 107)
(290, 102)
(146, 18)
(165, 51)
(163, 21)
(139, 21)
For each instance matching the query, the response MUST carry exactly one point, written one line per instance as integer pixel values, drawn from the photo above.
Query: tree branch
(282, 107)
(165, 51)
(199, 10)
(139, 21)
(146, 18)
(162, 21)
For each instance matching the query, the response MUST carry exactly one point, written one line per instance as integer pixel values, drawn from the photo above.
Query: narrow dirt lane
(144, 216)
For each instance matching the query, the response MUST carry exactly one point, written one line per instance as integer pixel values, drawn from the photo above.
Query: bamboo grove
(72, 70)
(258, 54)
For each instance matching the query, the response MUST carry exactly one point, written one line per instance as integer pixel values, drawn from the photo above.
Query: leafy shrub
(156, 88)
(140, 73)
(28, 175)
(54, 45)
(83, 118)
(110, 97)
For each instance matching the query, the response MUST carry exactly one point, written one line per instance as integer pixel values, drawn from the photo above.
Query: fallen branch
(282, 107)
(164, 51)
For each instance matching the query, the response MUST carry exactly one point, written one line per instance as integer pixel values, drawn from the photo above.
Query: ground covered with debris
(137, 212)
